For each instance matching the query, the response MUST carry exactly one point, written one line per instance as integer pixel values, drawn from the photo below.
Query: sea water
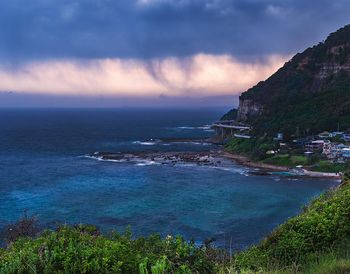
(43, 170)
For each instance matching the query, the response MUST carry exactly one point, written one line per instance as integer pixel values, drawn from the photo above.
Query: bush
(81, 249)
(27, 226)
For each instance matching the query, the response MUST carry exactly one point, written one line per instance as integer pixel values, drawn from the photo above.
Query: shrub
(27, 226)
(81, 249)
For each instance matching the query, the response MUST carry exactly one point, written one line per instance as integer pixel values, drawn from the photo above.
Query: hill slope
(310, 93)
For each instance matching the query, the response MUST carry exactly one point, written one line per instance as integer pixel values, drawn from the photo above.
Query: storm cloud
(159, 48)
(245, 29)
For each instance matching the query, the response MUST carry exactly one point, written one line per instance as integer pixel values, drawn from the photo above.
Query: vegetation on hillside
(309, 94)
(308, 113)
(231, 115)
(255, 148)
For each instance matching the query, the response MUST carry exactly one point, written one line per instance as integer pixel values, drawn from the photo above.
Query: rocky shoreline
(208, 158)
(214, 158)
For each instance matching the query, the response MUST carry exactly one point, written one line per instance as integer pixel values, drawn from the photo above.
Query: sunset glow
(200, 75)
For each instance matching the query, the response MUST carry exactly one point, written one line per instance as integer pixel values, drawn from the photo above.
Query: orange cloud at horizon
(199, 75)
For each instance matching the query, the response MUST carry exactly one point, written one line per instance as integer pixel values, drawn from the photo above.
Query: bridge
(239, 127)
(230, 128)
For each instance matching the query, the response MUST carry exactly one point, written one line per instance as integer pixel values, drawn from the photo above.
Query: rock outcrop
(248, 108)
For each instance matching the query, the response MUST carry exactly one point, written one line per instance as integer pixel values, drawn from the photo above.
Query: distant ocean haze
(43, 170)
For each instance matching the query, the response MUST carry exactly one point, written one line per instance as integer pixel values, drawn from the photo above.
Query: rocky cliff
(311, 92)
(248, 108)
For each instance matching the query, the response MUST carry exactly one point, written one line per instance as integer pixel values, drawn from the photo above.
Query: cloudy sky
(125, 52)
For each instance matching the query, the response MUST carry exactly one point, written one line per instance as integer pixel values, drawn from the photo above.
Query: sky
(151, 52)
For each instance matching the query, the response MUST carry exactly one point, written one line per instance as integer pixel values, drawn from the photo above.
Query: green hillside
(310, 93)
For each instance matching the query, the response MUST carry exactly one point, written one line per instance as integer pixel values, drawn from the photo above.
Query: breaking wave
(144, 143)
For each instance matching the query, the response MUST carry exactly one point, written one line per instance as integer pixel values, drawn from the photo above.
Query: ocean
(44, 170)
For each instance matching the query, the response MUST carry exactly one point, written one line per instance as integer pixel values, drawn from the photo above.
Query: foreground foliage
(82, 249)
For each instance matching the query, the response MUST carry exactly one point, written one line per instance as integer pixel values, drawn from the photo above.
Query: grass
(329, 264)
(328, 166)
(286, 160)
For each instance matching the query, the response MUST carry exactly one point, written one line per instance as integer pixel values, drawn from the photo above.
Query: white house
(325, 135)
(346, 137)
(346, 152)
(336, 133)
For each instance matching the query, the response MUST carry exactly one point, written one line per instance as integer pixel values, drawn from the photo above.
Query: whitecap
(239, 171)
(147, 163)
(113, 160)
(100, 158)
(205, 127)
(146, 143)
(192, 143)
(186, 127)
(92, 157)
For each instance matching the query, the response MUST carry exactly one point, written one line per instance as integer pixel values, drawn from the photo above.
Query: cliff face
(320, 76)
(248, 108)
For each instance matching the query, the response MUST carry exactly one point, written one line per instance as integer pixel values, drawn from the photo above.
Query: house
(336, 151)
(327, 148)
(345, 152)
(279, 137)
(324, 135)
(341, 146)
(303, 141)
(346, 137)
(336, 134)
(316, 145)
